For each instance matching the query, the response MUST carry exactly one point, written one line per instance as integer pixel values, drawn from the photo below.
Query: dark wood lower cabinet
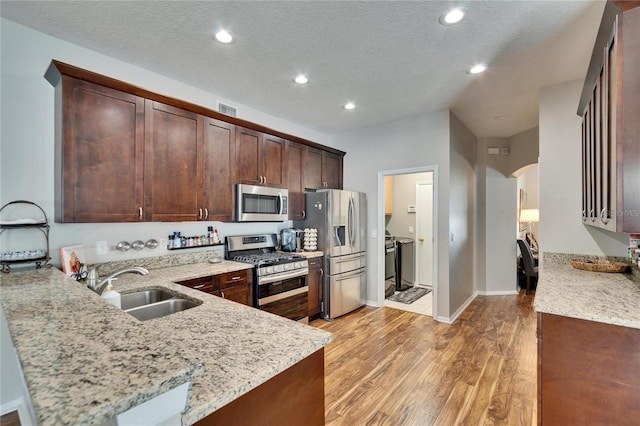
(236, 286)
(314, 281)
(588, 372)
(293, 397)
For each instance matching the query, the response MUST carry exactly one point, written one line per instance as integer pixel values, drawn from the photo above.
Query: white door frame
(419, 231)
(381, 226)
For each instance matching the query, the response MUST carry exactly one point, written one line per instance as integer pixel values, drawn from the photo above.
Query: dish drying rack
(38, 256)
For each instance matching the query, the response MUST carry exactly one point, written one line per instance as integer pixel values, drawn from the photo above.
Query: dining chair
(530, 270)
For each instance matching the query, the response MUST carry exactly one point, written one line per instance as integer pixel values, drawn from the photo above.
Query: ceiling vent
(227, 109)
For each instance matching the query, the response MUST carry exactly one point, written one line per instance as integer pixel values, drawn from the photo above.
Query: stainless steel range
(280, 279)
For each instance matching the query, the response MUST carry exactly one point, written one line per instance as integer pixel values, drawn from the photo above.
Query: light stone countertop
(225, 348)
(611, 298)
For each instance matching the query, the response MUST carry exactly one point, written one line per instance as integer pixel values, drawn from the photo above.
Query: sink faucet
(99, 286)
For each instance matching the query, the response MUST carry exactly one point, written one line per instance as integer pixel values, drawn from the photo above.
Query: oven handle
(281, 277)
(284, 295)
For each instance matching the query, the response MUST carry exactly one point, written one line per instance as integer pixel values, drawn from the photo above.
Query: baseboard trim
(498, 293)
(454, 317)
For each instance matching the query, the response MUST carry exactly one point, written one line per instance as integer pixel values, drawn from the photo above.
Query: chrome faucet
(99, 286)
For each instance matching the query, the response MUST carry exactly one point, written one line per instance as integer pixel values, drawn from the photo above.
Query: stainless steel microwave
(261, 204)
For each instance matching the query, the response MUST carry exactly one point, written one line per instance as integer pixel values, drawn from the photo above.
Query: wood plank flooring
(391, 367)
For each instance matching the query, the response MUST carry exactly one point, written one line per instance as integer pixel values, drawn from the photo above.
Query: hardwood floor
(10, 419)
(392, 367)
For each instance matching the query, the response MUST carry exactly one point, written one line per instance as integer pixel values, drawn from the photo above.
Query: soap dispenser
(110, 295)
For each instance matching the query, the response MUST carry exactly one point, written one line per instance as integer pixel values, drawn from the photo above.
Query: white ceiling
(392, 58)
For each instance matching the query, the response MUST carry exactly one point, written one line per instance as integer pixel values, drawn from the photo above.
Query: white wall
(404, 195)
(27, 140)
(462, 215)
(500, 245)
(561, 229)
(413, 142)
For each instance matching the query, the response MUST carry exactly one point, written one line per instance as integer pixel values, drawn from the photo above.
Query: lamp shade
(529, 215)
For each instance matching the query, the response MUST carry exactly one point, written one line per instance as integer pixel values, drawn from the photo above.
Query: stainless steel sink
(154, 303)
(144, 297)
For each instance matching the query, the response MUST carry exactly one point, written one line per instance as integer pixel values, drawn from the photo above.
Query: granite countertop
(67, 338)
(595, 296)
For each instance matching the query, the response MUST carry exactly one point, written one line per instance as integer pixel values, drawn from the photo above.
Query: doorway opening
(409, 216)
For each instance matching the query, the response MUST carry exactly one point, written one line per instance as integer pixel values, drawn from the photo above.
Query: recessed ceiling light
(452, 17)
(301, 79)
(223, 36)
(349, 105)
(477, 69)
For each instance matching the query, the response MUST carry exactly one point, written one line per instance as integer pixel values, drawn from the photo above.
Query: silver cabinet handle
(198, 286)
(265, 180)
(304, 214)
(140, 212)
(199, 214)
(222, 294)
(236, 278)
(206, 214)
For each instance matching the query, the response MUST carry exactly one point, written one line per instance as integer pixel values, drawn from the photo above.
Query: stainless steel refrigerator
(341, 220)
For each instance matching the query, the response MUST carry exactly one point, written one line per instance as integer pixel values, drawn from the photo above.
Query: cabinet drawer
(204, 284)
(315, 262)
(232, 279)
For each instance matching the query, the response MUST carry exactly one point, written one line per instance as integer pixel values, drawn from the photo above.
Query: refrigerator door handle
(351, 259)
(351, 222)
(346, 277)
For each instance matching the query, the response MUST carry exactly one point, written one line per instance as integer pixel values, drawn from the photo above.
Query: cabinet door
(273, 169)
(248, 156)
(294, 155)
(332, 171)
(314, 281)
(218, 170)
(240, 293)
(312, 175)
(102, 150)
(173, 174)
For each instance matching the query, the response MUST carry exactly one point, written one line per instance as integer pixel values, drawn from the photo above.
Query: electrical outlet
(102, 247)
(374, 233)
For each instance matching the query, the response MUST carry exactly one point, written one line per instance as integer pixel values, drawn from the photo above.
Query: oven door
(287, 297)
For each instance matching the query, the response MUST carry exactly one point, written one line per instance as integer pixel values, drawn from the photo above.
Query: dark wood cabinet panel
(101, 140)
(231, 279)
(314, 281)
(173, 174)
(218, 170)
(332, 170)
(312, 175)
(588, 372)
(240, 293)
(248, 156)
(273, 149)
(295, 165)
(293, 397)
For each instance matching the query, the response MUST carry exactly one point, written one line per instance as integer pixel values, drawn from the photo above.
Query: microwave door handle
(280, 203)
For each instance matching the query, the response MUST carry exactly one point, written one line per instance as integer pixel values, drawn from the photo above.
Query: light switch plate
(102, 247)
(411, 229)
(374, 233)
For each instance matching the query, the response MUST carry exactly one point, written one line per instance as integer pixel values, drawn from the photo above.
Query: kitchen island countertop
(86, 361)
(610, 298)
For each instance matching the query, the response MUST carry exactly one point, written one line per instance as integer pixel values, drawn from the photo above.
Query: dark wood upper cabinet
(332, 170)
(322, 169)
(260, 158)
(218, 169)
(295, 165)
(126, 154)
(101, 139)
(610, 107)
(173, 174)
(274, 171)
